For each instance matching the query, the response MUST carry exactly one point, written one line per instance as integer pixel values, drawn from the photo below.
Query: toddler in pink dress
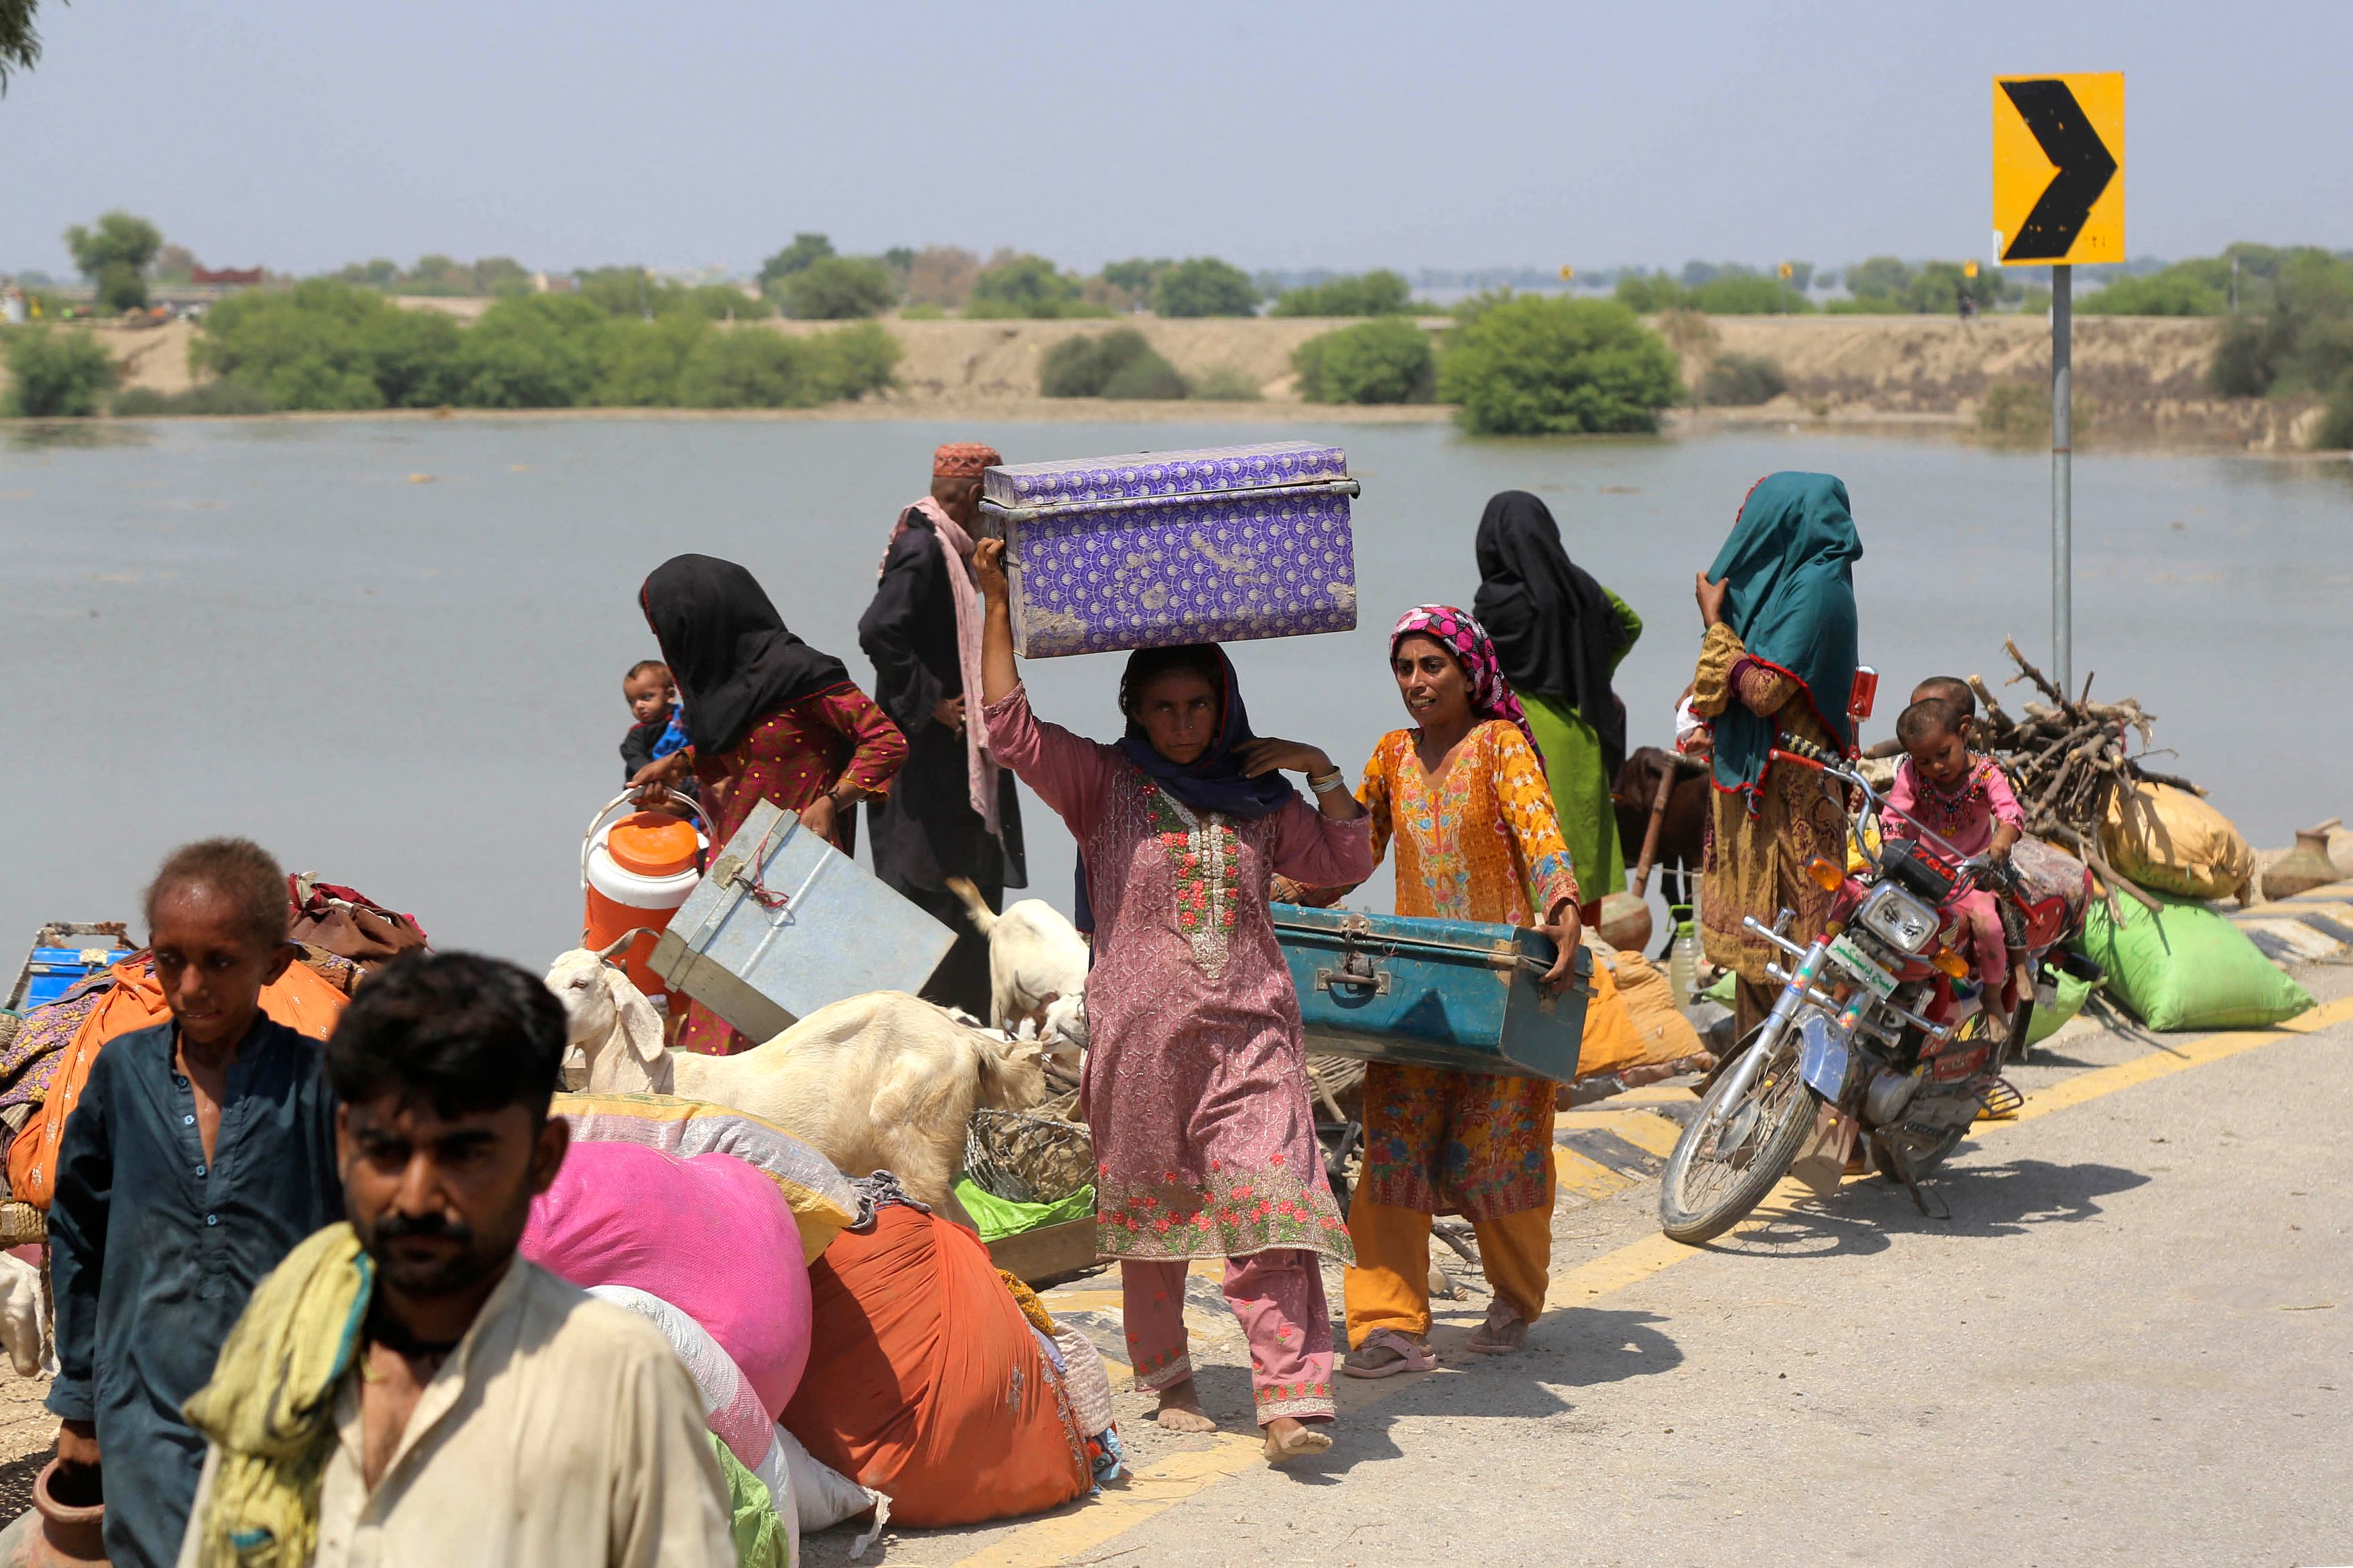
(1963, 798)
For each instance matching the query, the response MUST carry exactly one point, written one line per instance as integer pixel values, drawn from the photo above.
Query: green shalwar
(1580, 786)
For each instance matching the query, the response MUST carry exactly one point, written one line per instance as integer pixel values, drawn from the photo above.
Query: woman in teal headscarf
(1779, 660)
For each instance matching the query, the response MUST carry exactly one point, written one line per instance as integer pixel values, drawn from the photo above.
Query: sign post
(2058, 199)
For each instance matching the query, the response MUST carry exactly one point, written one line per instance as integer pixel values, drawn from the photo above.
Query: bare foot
(1180, 1409)
(1287, 1439)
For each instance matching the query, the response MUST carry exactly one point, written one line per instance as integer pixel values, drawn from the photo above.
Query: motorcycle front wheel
(1731, 1155)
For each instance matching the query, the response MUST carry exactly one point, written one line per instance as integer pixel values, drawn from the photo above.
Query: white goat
(880, 1082)
(1037, 966)
(20, 1317)
(609, 1019)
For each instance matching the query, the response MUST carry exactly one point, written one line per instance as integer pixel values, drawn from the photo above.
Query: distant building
(226, 276)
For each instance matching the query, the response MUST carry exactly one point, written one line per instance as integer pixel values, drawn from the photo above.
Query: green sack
(2048, 1021)
(2187, 967)
(1000, 1217)
(1721, 992)
(760, 1538)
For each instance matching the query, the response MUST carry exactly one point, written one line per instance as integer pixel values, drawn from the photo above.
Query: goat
(611, 1023)
(1036, 965)
(880, 1082)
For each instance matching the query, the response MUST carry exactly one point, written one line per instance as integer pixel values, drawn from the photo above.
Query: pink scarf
(955, 549)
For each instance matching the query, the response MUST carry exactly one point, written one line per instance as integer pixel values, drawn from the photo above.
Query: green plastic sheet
(1000, 1217)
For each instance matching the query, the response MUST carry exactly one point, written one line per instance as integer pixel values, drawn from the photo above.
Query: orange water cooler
(634, 874)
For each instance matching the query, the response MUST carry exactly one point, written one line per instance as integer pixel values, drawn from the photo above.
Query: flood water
(414, 688)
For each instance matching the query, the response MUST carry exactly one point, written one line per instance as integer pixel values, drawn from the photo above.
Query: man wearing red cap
(951, 811)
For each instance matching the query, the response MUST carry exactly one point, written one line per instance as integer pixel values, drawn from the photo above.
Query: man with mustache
(405, 1388)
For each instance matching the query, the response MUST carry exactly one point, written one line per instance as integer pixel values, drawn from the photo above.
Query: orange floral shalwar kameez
(1480, 844)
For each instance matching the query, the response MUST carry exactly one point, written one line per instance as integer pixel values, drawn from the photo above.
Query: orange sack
(300, 999)
(929, 1386)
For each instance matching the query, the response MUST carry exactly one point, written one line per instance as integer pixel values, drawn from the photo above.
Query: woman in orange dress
(767, 717)
(1463, 797)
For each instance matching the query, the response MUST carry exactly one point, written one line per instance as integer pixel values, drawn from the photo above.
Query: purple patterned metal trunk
(1225, 544)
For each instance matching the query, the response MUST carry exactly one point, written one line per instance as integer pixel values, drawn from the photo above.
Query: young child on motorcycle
(1962, 797)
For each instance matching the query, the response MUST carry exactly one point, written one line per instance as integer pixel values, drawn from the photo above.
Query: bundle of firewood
(2064, 756)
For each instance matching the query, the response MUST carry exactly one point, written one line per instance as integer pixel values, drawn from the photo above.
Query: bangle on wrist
(1327, 782)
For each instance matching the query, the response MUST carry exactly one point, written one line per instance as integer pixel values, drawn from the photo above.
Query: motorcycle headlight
(1898, 917)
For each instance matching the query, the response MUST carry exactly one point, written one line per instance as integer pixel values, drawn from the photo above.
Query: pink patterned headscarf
(1462, 635)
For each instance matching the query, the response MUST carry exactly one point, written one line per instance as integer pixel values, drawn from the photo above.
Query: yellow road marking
(1586, 1178)
(1646, 1130)
(1156, 1488)
(1149, 1490)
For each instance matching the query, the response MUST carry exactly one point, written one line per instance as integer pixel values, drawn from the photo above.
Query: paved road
(2132, 1341)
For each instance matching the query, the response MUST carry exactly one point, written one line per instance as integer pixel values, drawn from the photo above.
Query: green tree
(500, 276)
(114, 255)
(1377, 293)
(1388, 360)
(542, 351)
(760, 369)
(858, 360)
(839, 288)
(1204, 286)
(1739, 293)
(1649, 293)
(639, 362)
(805, 249)
(1022, 285)
(54, 374)
(1879, 278)
(20, 43)
(1534, 365)
(1134, 277)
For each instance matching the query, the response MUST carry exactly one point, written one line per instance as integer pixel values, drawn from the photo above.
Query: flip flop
(1504, 1332)
(1385, 1353)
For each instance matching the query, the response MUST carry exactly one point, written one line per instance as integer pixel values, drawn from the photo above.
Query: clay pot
(62, 1530)
(1625, 921)
(2303, 868)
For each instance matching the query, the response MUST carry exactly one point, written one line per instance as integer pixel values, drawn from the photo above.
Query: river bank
(2140, 381)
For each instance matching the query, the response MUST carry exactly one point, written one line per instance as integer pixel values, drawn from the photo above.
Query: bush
(1204, 286)
(2335, 430)
(860, 360)
(1376, 293)
(754, 370)
(641, 361)
(805, 251)
(2172, 292)
(2021, 411)
(923, 312)
(1384, 361)
(1545, 366)
(1148, 375)
(1228, 384)
(839, 288)
(1742, 381)
(539, 352)
(1093, 367)
(214, 397)
(326, 344)
(54, 374)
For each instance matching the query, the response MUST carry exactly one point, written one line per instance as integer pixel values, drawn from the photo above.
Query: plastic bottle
(1683, 958)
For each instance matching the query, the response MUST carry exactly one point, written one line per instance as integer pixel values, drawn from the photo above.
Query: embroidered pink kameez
(1195, 1084)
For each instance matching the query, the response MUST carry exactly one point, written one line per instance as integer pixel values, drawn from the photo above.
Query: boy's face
(211, 965)
(1944, 756)
(649, 696)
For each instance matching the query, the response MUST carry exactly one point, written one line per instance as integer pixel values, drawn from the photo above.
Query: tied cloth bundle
(271, 1404)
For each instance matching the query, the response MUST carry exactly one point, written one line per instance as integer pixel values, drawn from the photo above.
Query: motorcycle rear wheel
(1693, 1211)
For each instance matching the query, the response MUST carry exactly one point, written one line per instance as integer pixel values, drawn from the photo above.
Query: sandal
(1504, 1333)
(1385, 1353)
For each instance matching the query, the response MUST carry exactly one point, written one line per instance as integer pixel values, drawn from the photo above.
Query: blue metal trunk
(1446, 993)
(784, 924)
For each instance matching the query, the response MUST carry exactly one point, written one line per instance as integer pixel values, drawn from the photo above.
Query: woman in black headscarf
(1559, 635)
(767, 717)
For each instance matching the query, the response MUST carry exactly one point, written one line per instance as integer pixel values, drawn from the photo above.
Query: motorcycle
(1878, 1019)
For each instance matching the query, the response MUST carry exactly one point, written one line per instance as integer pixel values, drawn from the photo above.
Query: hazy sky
(305, 134)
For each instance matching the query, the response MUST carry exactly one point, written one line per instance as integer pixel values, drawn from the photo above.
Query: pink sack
(709, 1235)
